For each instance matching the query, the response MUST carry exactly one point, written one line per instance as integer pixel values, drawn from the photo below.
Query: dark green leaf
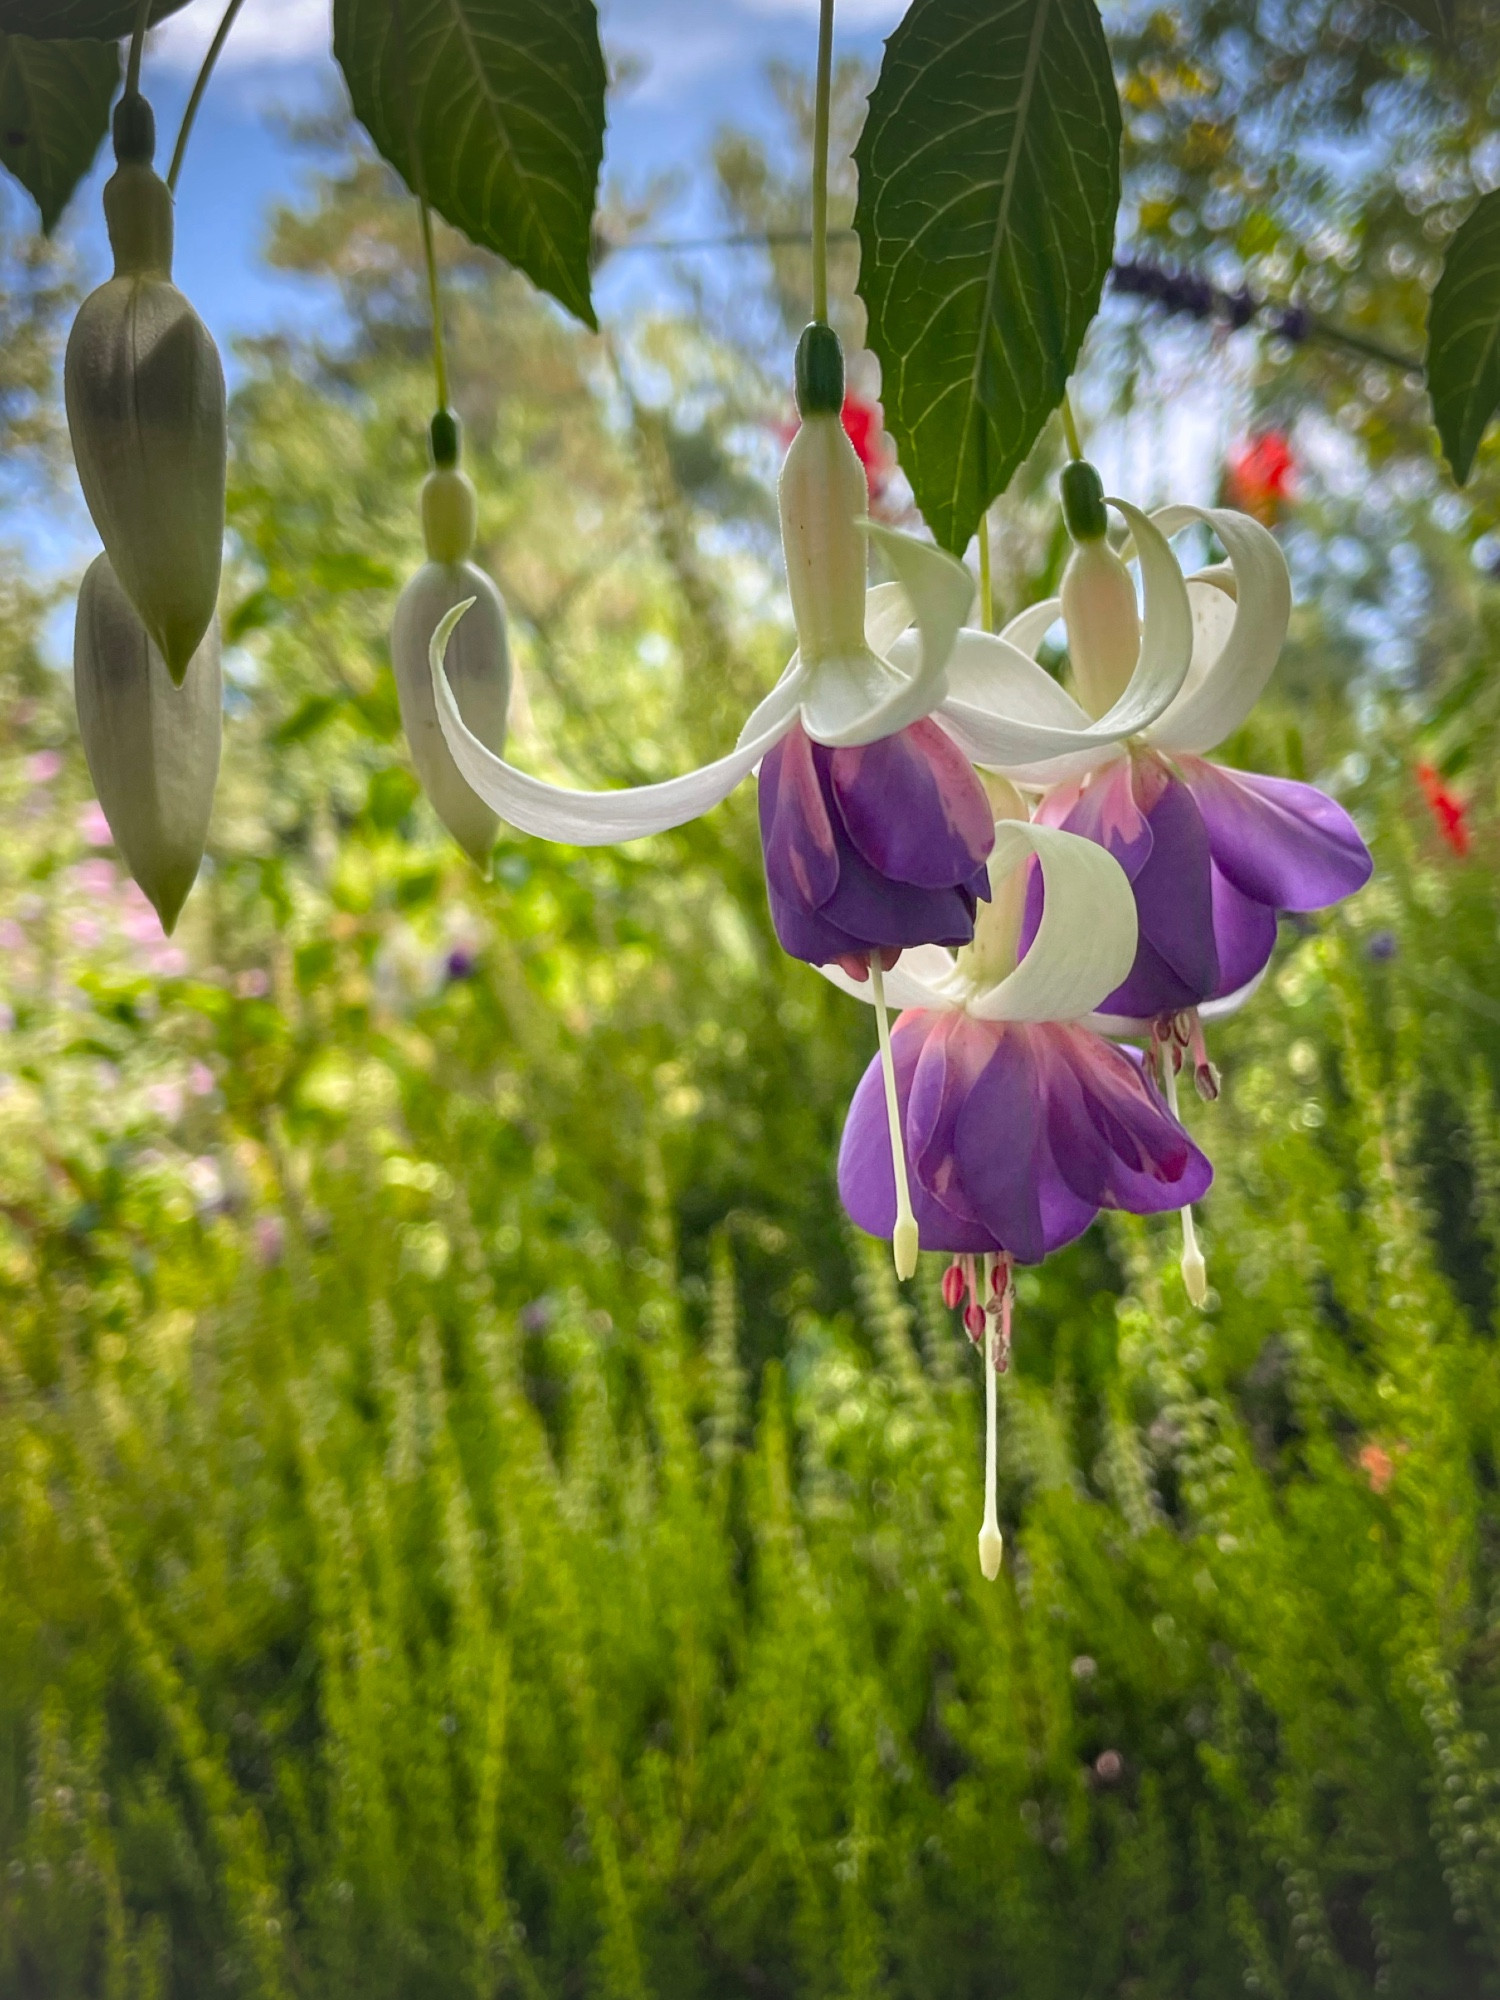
(989, 177)
(1463, 337)
(506, 102)
(78, 20)
(54, 114)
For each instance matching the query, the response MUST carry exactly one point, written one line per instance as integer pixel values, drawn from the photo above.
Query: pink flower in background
(1449, 811)
(169, 962)
(94, 827)
(165, 1099)
(254, 984)
(201, 1080)
(1258, 478)
(96, 878)
(87, 932)
(270, 1240)
(43, 767)
(12, 937)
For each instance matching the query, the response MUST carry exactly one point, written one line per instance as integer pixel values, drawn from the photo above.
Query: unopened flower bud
(152, 746)
(1104, 625)
(146, 411)
(823, 497)
(954, 1286)
(477, 664)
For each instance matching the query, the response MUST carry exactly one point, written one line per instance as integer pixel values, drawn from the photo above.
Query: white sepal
(999, 731)
(1083, 949)
(582, 819)
(923, 976)
(1222, 690)
(1085, 944)
(853, 698)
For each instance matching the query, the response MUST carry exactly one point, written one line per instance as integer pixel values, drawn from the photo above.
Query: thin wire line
(215, 50)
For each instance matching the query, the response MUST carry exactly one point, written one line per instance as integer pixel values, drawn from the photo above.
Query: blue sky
(703, 62)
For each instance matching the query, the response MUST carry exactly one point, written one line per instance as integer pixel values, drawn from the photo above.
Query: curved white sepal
(1004, 736)
(775, 712)
(581, 819)
(1085, 943)
(1217, 701)
(921, 977)
(848, 701)
(1029, 627)
(887, 615)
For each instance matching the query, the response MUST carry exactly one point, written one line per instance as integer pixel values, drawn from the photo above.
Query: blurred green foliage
(472, 1519)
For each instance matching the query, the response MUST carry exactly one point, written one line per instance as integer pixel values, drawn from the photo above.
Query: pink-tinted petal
(1281, 843)
(1113, 1138)
(913, 807)
(795, 829)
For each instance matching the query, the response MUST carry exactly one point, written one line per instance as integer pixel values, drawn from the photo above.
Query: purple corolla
(994, 1125)
(874, 847)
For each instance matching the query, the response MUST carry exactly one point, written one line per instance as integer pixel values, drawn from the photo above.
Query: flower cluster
(1036, 878)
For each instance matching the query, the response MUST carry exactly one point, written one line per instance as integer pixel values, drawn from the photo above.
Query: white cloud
(270, 34)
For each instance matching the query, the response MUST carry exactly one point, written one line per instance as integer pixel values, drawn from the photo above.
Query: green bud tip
(820, 370)
(135, 132)
(446, 437)
(1083, 502)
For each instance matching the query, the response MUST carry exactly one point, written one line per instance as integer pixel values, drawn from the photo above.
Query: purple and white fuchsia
(1001, 1125)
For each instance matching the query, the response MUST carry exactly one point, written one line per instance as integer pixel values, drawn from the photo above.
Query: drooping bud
(823, 495)
(146, 411)
(152, 746)
(478, 656)
(1098, 597)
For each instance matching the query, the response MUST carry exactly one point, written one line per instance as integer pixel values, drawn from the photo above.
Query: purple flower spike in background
(872, 848)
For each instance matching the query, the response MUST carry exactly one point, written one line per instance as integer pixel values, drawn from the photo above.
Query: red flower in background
(1258, 478)
(864, 431)
(1451, 814)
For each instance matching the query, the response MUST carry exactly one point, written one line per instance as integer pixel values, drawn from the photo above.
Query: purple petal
(913, 807)
(1107, 811)
(867, 1183)
(1114, 1140)
(802, 861)
(997, 1134)
(1245, 931)
(1173, 897)
(1282, 843)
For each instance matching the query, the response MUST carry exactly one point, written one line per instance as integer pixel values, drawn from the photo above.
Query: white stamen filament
(1194, 1270)
(991, 1543)
(905, 1241)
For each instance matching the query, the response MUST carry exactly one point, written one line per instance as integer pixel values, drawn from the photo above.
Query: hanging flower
(1003, 1125)
(1448, 811)
(1212, 853)
(872, 851)
(862, 427)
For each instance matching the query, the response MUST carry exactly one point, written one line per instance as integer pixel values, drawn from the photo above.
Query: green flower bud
(145, 396)
(450, 516)
(478, 663)
(152, 746)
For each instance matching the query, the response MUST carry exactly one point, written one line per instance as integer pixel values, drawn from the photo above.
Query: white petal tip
(1195, 1277)
(906, 1243)
(991, 1548)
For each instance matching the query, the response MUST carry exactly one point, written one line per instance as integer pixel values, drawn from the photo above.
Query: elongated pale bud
(1098, 598)
(823, 496)
(146, 411)
(477, 661)
(152, 746)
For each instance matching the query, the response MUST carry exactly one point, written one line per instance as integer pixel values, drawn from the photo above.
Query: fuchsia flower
(1001, 1125)
(1212, 853)
(1449, 813)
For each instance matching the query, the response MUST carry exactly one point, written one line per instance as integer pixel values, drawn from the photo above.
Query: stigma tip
(905, 1243)
(991, 1548)
(1195, 1276)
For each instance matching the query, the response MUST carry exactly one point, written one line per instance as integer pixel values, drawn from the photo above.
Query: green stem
(215, 50)
(137, 48)
(820, 162)
(435, 296)
(986, 579)
(1070, 427)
